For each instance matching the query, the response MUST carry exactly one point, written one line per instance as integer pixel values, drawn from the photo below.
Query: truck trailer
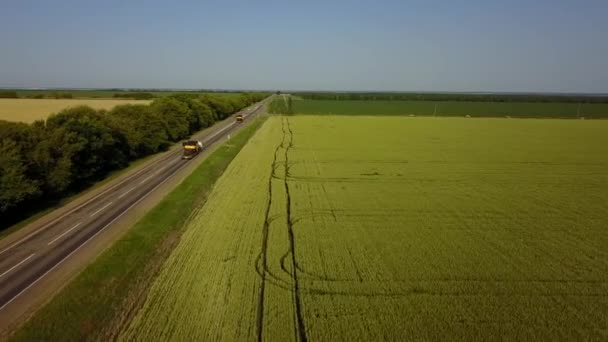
(191, 148)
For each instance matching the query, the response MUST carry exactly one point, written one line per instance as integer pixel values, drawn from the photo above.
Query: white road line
(159, 170)
(145, 179)
(100, 209)
(126, 192)
(62, 234)
(89, 239)
(20, 241)
(21, 262)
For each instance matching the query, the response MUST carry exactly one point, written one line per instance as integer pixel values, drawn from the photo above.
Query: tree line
(453, 97)
(8, 95)
(135, 96)
(45, 161)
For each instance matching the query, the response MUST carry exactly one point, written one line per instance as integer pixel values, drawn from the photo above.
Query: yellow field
(29, 110)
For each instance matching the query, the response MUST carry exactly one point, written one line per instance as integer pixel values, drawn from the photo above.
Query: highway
(26, 259)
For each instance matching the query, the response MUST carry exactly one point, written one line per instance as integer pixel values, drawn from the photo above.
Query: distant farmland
(29, 110)
(396, 228)
(447, 108)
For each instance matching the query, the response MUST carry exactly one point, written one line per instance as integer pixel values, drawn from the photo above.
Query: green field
(446, 108)
(396, 228)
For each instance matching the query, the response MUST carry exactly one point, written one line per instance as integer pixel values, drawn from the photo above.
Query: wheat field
(395, 228)
(29, 110)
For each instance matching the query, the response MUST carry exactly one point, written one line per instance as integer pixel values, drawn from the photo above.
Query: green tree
(202, 116)
(221, 106)
(52, 158)
(143, 128)
(15, 186)
(93, 145)
(176, 116)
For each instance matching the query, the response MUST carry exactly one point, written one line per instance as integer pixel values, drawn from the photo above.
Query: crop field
(30, 110)
(395, 228)
(450, 108)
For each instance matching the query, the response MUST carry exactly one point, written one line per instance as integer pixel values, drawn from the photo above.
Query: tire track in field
(263, 253)
(292, 244)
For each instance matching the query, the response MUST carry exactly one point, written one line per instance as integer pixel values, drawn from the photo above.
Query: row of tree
(454, 97)
(8, 95)
(54, 95)
(46, 160)
(135, 95)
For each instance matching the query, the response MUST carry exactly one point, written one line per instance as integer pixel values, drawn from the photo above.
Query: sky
(493, 46)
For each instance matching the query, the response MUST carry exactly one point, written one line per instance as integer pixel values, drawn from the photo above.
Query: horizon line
(558, 93)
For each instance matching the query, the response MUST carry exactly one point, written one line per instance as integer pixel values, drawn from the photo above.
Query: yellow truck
(191, 148)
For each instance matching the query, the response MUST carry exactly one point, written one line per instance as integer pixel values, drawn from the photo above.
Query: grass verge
(100, 299)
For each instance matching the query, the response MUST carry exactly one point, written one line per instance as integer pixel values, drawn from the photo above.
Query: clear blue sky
(540, 45)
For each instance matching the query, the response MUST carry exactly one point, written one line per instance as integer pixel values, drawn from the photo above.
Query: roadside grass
(444, 108)
(98, 297)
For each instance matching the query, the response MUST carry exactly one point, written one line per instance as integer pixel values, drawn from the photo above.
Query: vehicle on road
(191, 148)
(240, 118)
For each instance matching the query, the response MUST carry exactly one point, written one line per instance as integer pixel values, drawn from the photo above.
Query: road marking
(21, 262)
(126, 192)
(20, 241)
(145, 179)
(62, 234)
(159, 170)
(89, 239)
(99, 210)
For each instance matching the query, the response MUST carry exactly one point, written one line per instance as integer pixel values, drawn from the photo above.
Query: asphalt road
(29, 259)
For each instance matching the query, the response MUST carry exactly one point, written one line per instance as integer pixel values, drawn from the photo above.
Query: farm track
(263, 254)
(288, 138)
(286, 144)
